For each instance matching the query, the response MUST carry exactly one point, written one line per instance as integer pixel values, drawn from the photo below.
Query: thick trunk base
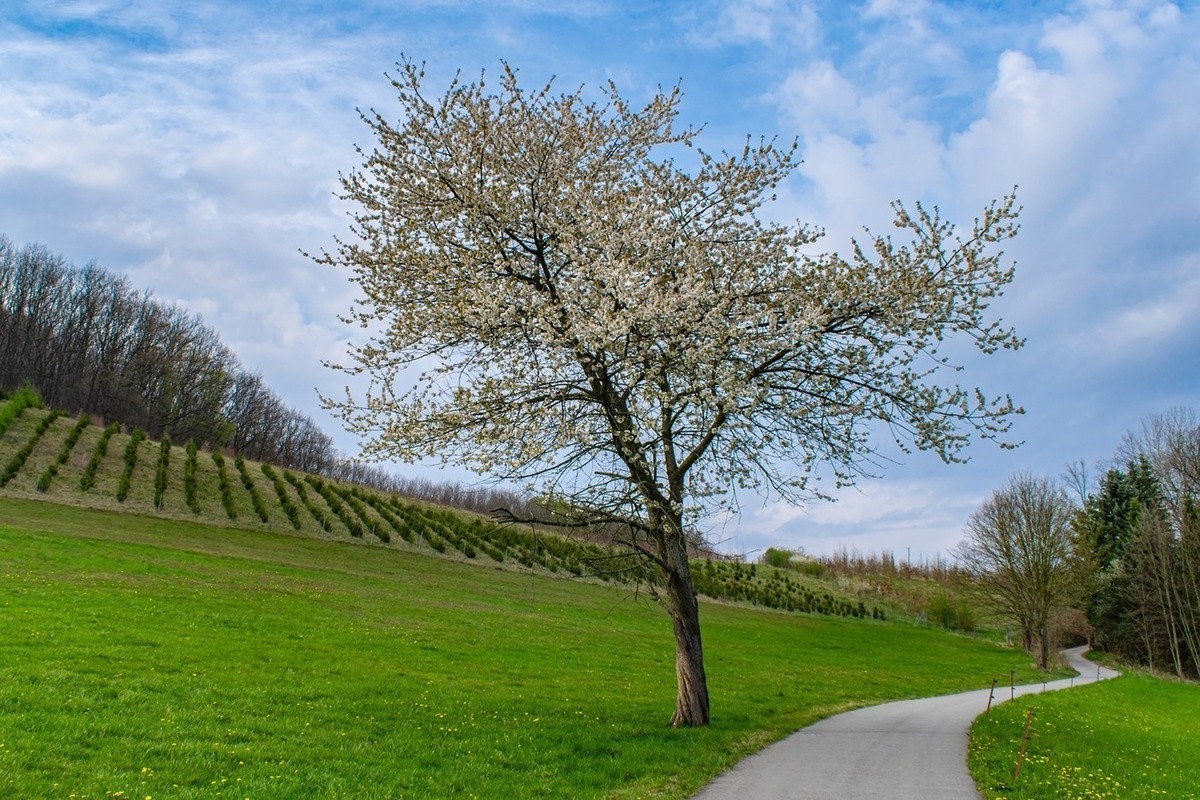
(691, 700)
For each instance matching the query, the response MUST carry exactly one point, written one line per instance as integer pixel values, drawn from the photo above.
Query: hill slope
(155, 657)
(51, 456)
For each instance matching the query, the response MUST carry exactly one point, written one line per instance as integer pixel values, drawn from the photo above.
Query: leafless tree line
(482, 500)
(89, 341)
(853, 562)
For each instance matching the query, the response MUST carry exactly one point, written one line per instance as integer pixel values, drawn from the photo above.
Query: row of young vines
(264, 496)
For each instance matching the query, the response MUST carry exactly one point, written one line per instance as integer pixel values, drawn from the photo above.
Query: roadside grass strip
(1129, 738)
(159, 657)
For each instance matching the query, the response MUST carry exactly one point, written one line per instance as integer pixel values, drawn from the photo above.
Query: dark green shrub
(72, 439)
(190, 488)
(336, 505)
(19, 458)
(285, 501)
(131, 449)
(939, 611)
(88, 479)
(384, 510)
(223, 483)
(15, 406)
(248, 482)
(964, 617)
(774, 557)
(160, 473)
(810, 567)
(301, 492)
(357, 510)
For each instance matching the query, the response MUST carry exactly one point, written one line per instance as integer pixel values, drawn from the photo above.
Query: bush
(289, 508)
(15, 405)
(336, 505)
(317, 514)
(950, 613)
(810, 567)
(160, 474)
(88, 479)
(131, 449)
(223, 481)
(774, 557)
(72, 439)
(248, 482)
(18, 459)
(190, 465)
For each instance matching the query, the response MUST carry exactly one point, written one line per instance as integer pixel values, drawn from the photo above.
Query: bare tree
(88, 341)
(630, 336)
(1018, 548)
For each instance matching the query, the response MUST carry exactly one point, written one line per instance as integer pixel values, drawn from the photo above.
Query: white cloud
(921, 515)
(1149, 325)
(741, 22)
(202, 161)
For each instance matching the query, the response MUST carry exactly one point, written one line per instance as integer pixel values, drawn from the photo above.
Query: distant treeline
(449, 493)
(89, 341)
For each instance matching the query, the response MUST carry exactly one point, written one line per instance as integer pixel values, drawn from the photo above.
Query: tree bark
(691, 699)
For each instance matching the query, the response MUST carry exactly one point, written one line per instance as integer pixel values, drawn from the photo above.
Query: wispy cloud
(196, 145)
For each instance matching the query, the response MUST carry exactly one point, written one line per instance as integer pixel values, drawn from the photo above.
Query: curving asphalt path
(907, 750)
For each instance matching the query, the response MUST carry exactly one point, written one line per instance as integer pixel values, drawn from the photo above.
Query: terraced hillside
(52, 456)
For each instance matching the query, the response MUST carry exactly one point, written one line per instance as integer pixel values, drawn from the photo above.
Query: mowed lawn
(151, 658)
(1133, 737)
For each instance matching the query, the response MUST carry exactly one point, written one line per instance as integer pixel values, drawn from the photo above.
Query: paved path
(907, 750)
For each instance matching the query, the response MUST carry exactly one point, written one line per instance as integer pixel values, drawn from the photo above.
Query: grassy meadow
(151, 657)
(1132, 737)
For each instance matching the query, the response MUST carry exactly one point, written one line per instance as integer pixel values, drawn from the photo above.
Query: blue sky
(196, 146)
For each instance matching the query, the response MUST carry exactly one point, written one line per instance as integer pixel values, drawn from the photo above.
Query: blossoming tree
(550, 298)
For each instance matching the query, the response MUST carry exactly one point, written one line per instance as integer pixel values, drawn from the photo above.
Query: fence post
(1024, 742)
(991, 695)
(1012, 684)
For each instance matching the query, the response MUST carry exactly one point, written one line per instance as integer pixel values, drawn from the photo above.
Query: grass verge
(155, 657)
(1131, 737)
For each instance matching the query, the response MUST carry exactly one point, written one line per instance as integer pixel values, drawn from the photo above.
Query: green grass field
(149, 657)
(1132, 737)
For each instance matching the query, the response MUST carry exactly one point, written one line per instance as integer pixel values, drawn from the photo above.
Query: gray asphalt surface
(907, 750)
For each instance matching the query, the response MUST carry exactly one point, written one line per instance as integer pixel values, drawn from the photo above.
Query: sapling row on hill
(18, 460)
(390, 519)
(190, 487)
(223, 482)
(285, 500)
(321, 518)
(64, 452)
(248, 482)
(160, 472)
(88, 478)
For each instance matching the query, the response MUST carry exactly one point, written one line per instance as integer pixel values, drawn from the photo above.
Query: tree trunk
(691, 699)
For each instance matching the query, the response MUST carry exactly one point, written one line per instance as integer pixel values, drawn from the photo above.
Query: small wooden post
(991, 695)
(1024, 742)
(1012, 684)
